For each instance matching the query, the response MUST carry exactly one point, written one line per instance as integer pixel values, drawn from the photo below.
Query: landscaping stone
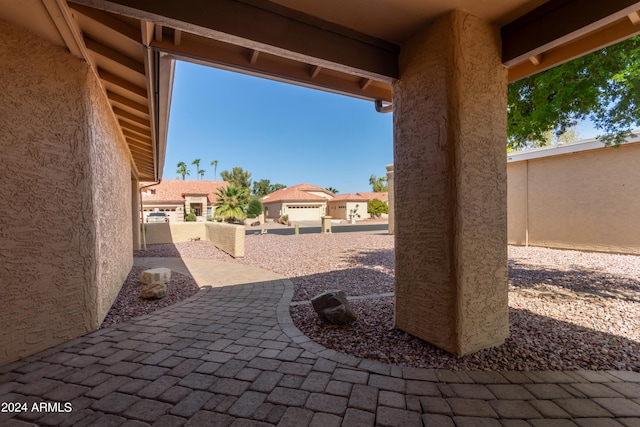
(156, 276)
(333, 307)
(154, 291)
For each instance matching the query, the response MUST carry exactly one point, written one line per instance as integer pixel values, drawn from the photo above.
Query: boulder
(156, 276)
(333, 307)
(154, 291)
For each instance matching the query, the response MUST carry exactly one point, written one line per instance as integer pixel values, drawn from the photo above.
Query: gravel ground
(128, 303)
(567, 309)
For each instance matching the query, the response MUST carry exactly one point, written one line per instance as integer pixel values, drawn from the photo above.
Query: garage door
(304, 212)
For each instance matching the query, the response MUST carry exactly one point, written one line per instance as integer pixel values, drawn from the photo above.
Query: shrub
(377, 207)
(190, 218)
(255, 208)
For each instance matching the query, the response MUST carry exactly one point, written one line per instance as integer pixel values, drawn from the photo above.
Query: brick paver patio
(231, 356)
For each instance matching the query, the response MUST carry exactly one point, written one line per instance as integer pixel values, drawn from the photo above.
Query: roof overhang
(349, 47)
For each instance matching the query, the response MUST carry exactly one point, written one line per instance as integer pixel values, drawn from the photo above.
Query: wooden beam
(128, 103)
(146, 30)
(158, 33)
(108, 21)
(364, 83)
(620, 30)
(557, 22)
(113, 55)
(251, 24)
(144, 142)
(122, 83)
(235, 59)
(634, 17)
(536, 59)
(315, 70)
(125, 115)
(254, 56)
(177, 37)
(137, 129)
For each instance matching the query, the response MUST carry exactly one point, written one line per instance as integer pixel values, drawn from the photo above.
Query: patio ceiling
(343, 46)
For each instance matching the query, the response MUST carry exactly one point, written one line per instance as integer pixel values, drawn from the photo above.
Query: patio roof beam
(232, 21)
(122, 83)
(558, 22)
(125, 115)
(146, 132)
(107, 21)
(115, 56)
(114, 97)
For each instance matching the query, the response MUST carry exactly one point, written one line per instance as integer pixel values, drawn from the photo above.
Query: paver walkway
(231, 356)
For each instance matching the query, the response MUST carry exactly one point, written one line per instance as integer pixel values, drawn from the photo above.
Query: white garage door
(304, 212)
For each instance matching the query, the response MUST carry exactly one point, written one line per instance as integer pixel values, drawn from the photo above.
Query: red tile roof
(383, 196)
(297, 193)
(174, 190)
(349, 198)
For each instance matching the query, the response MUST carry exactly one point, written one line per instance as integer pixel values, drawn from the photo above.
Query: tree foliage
(333, 190)
(237, 177)
(603, 87)
(378, 184)
(255, 207)
(214, 163)
(182, 169)
(197, 163)
(263, 187)
(377, 207)
(231, 202)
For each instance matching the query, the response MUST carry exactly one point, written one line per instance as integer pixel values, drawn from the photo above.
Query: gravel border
(568, 310)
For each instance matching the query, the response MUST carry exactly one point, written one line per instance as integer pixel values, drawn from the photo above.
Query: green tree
(378, 184)
(197, 163)
(377, 207)
(231, 201)
(255, 207)
(603, 87)
(263, 187)
(182, 169)
(201, 173)
(333, 190)
(215, 168)
(237, 177)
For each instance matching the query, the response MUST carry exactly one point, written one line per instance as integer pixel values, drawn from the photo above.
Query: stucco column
(450, 186)
(135, 213)
(390, 199)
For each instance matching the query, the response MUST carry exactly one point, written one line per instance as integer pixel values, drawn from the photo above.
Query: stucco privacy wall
(586, 200)
(450, 186)
(65, 232)
(227, 237)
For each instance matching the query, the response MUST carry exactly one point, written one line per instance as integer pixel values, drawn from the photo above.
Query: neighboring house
(344, 205)
(302, 202)
(307, 202)
(178, 197)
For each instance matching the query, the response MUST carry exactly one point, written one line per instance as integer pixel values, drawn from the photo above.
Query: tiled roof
(174, 190)
(296, 193)
(383, 196)
(349, 198)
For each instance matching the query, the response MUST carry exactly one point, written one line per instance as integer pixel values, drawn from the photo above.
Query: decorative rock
(332, 307)
(156, 276)
(154, 291)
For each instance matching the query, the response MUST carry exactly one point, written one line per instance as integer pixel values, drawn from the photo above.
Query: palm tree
(182, 169)
(197, 163)
(231, 202)
(215, 168)
(201, 172)
(333, 190)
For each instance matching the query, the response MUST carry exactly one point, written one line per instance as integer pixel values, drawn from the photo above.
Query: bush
(190, 218)
(377, 207)
(255, 208)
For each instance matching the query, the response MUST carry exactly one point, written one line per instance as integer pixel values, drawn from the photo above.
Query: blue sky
(281, 132)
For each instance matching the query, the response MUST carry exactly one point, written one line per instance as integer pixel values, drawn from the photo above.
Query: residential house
(302, 202)
(179, 197)
(344, 206)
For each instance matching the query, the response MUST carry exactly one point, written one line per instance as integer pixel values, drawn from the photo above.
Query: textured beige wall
(450, 186)
(227, 237)
(65, 237)
(174, 232)
(517, 203)
(587, 200)
(390, 182)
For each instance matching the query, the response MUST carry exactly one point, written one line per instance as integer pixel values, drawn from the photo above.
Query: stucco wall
(65, 235)
(587, 200)
(227, 237)
(450, 186)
